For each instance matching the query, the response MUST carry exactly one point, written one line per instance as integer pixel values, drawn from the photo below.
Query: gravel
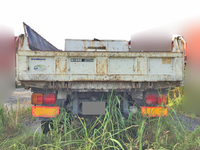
(32, 125)
(25, 101)
(188, 123)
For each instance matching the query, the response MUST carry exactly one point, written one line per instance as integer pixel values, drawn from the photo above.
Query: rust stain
(57, 61)
(117, 77)
(106, 65)
(138, 65)
(166, 60)
(101, 66)
(65, 66)
(85, 48)
(106, 85)
(60, 67)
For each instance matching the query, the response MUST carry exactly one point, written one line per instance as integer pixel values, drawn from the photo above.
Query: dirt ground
(33, 125)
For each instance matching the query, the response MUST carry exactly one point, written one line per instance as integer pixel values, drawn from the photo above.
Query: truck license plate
(93, 108)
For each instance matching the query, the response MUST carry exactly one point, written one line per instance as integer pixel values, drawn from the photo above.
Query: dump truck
(75, 79)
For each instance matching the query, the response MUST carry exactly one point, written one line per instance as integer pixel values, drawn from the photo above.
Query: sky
(88, 19)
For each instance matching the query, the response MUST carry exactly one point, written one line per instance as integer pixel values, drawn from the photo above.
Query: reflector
(154, 111)
(40, 98)
(45, 111)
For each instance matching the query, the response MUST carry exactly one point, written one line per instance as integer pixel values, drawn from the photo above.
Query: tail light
(37, 99)
(163, 99)
(129, 44)
(151, 99)
(49, 99)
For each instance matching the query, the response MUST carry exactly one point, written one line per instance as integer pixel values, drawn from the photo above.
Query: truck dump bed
(99, 69)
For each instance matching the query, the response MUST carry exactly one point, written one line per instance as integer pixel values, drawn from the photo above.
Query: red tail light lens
(163, 99)
(129, 44)
(49, 99)
(151, 99)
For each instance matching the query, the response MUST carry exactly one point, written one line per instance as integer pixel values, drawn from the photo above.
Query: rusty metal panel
(92, 45)
(179, 66)
(100, 66)
(40, 65)
(22, 66)
(96, 78)
(141, 65)
(162, 66)
(60, 65)
(99, 54)
(99, 86)
(121, 65)
(81, 65)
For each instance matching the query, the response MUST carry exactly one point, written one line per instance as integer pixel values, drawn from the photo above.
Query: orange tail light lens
(37, 99)
(163, 99)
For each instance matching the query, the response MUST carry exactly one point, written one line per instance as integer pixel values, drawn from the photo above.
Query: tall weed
(110, 131)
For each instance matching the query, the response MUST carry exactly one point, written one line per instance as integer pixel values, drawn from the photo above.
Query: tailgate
(99, 66)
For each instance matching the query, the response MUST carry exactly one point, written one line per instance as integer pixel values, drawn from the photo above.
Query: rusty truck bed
(97, 65)
(100, 66)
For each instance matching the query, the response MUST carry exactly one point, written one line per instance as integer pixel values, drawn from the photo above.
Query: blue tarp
(37, 42)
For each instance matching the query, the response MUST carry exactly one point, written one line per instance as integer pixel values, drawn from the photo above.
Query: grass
(176, 102)
(110, 131)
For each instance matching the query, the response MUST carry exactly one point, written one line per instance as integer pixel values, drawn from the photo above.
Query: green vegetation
(176, 102)
(110, 131)
(176, 98)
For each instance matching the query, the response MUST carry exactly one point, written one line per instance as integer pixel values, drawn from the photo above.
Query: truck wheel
(45, 126)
